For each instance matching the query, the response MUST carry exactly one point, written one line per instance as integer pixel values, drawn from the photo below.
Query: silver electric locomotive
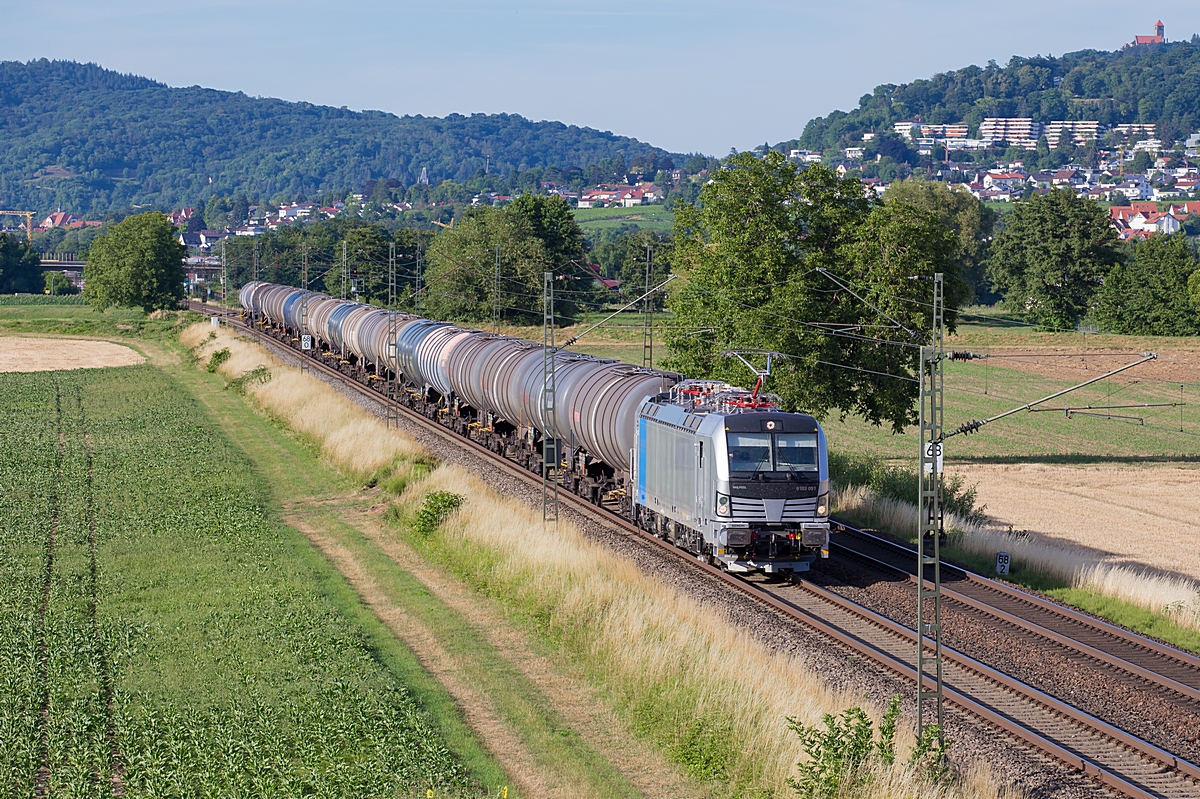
(721, 472)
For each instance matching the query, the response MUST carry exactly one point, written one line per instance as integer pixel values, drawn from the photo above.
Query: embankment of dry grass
(348, 436)
(1174, 597)
(710, 695)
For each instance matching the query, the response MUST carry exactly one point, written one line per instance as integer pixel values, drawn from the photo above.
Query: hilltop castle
(1158, 38)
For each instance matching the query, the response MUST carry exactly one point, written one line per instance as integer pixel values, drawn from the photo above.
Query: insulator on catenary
(963, 355)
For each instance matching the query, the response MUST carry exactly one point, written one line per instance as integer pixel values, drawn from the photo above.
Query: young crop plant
(160, 632)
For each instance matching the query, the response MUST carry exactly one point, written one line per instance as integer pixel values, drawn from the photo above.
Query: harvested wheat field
(22, 354)
(1145, 514)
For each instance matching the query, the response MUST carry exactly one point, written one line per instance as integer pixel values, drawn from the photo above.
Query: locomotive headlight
(823, 505)
(722, 504)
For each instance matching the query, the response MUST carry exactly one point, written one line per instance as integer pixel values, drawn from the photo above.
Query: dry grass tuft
(1175, 597)
(685, 678)
(349, 436)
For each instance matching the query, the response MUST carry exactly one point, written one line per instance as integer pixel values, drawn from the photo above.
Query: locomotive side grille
(744, 508)
(796, 510)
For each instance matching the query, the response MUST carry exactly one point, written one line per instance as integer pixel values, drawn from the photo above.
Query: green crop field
(982, 389)
(657, 218)
(160, 632)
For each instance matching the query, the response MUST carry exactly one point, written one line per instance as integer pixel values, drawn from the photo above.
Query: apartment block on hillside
(1013, 130)
(1072, 131)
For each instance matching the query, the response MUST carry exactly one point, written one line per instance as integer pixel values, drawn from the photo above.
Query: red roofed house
(1158, 38)
(1182, 211)
(58, 219)
(1003, 180)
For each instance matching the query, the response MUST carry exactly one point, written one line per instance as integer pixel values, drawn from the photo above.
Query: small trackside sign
(1002, 562)
(306, 342)
(933, 457)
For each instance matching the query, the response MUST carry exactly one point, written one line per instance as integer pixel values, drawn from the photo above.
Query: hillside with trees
(84, 138)
(1157, 84)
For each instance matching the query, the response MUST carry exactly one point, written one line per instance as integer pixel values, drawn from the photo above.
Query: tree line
(773, 257)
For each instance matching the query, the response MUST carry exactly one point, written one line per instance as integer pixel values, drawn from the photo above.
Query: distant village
(1171, 177)
(1151, 188)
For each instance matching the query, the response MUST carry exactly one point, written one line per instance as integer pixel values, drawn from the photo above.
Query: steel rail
(1186, 663)
(1149, 754)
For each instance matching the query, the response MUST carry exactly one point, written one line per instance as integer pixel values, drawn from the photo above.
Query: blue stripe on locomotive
(641, 463)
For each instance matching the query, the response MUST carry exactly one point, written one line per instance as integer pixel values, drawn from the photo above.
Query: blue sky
(689, 76)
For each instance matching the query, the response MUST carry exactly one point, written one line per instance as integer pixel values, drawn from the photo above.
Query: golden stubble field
(28, 354)
(1128, 510)
(1136, 514)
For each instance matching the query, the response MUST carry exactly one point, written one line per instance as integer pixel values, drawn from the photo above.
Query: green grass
(981, 389)
(294, 474)
(224, 640)
(657, 218)
(519, 702)
(9, 300)
(81, 320)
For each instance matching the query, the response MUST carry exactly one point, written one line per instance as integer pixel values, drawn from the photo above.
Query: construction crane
(28, 222)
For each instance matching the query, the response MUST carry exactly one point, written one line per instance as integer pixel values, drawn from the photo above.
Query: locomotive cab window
(772, 452)
(749, 452)
(796, 452)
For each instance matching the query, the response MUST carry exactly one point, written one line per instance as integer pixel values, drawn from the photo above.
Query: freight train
(717, 470)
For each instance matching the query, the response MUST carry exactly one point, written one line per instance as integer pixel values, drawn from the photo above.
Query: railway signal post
(930, 524)
(393, 412)
(550, 455)
(648, 315)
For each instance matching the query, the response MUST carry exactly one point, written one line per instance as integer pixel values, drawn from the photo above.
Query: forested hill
(87, 139)
(1149, 84)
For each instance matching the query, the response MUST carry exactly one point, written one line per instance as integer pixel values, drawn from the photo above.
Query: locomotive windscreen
(772, 452)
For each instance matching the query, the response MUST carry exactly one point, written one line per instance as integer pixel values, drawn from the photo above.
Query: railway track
(1121, 761)
(1161, 666)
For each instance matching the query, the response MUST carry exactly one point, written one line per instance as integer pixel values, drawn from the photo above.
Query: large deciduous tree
(1148, 295)
(762, 254)
(1052, 256)
(965, 216)
(20, 266)
(460, 278)
(138, 262)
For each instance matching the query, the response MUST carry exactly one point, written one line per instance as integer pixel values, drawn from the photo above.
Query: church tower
(1159, 30)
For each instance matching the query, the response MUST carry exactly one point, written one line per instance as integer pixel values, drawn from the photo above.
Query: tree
(1052, 254)
(461, 269)
(366, 260)
(138, 262)
(750, 252)
(216, 212)
(623, 257)
(20, 266)
(1148, 295)
(966, 217)
(57, 283)
(1141, 162)
(550, 219)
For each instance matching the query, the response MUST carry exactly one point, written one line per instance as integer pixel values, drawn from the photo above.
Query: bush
(845, 756)
(219, 357)
(898, 482)
(434, 510)
(259, 374)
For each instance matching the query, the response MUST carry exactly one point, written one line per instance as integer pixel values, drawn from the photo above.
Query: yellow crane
(28, 222)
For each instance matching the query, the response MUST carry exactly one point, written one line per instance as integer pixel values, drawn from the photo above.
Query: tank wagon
(717, 470)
